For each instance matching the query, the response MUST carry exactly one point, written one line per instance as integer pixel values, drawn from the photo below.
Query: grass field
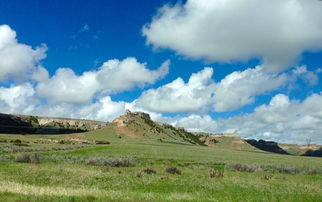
(71, 171)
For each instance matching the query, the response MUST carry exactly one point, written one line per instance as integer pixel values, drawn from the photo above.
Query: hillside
(140, 125)
(224, 140)
(23, 124)
(269, 146)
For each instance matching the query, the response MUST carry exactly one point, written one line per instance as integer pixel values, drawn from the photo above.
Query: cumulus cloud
(234, 91)
(112, 76)
(240, 87)
(104, 109)
(22, 99)
(282, 120)
(17, 61)
(276, 31)
(66, 86)
(18, 99)
(179, 96)
(119, 75)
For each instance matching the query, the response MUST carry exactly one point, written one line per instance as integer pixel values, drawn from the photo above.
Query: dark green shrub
(149, 171)
(17, 141)
(101, 142)
(173, 170)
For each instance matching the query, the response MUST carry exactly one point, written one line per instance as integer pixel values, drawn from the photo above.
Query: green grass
(62, 180)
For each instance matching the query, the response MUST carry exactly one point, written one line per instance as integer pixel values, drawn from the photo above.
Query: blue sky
(94, 59)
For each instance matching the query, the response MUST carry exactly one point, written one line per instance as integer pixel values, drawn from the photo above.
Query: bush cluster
(286, 169)
(113, 162)
(292, 169)
(216, 173)
(94, 161)
(27, 158)
(244, 167)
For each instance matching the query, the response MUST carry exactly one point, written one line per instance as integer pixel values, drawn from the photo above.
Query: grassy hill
(136, 159)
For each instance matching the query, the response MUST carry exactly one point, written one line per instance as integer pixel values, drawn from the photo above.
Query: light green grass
(62, 181)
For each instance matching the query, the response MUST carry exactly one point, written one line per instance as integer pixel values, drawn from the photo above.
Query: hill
(269, 146)
(224, 140)
(22, 124)
(140, 125)
(304, 150)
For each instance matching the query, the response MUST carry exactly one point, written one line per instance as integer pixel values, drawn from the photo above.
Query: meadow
(120, 168)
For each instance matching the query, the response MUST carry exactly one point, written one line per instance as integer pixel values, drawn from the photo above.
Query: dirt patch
(238, 141)
(125, 131)
(121, 127)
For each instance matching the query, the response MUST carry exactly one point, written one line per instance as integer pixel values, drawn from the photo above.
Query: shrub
(28, 158)
(244, 167)
(292, 169)
(113, 162)
(216, 173)
(173, 170)
(64, 142)
(17, 141)
(102, 142)
(267, 177)
(3, 140)
(149, 171)
(139, 174)
(4, 158)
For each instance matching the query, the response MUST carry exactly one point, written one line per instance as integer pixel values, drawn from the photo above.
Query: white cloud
(277, 31)
(17, 61)
(282, 120)
(18, 99)
(112, 76)
(22, 99)
(104, 109)
(119, 75)
(240, 87)
(234, 91)
(66, 86)
(178, 96)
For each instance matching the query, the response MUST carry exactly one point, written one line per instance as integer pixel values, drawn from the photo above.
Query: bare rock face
(134, 114)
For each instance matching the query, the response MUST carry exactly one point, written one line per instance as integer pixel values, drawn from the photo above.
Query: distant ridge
(269, 146)
(140, 125)
(24, 124)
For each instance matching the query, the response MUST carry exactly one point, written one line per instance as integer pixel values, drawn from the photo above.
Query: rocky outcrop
(269, 146)
(316, 153)
(22, 124)
(137, 114)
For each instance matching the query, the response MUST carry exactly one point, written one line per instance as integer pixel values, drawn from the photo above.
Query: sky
(220, 66)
